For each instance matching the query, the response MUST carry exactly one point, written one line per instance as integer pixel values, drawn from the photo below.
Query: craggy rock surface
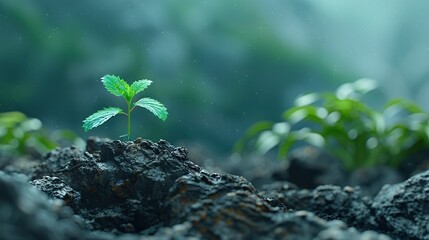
(153, 189)
(121, 187)
(130, 190)
(221, 205)
(309, 168)
(28, 214)
(403, 209)
(228, 206)
(326, 201)
(57, 189)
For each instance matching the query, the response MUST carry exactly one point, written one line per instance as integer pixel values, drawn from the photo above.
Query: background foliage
(344, 126)
(218, 66)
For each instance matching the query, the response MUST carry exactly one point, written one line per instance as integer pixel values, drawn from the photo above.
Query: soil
(154, 190)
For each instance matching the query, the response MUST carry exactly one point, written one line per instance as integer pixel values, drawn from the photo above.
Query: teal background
(218, 66)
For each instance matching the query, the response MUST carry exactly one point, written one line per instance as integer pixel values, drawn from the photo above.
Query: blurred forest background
(218, 66)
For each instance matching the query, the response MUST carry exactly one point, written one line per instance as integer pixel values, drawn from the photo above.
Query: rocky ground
(146, 190)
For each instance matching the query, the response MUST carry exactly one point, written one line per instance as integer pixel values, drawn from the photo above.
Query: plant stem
(129, 119)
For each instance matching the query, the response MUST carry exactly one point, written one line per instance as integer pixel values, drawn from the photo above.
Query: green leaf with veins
(115, 85)
(119, 87)
(139, 86)
(154, 107)
(100, 117)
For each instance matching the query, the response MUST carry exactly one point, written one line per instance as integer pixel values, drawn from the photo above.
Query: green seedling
(119, 87)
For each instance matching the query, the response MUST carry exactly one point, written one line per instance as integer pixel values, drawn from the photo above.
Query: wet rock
(177, 232)
(57, 189)
(138, 170)
(309, 167)
(305, 225)
(193, 193)
(126, 190)
(93, 144)
(335, 233)
(28, 214)
(23, 164)
(228, 207)
(402, 209)
(326, 201)
(120, 218)
(55, 161)
(123, 186)
(371, 180)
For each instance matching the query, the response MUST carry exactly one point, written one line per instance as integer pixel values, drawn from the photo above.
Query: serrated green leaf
(115, 85)
(154, 107)
(100, 117)
(139, 86)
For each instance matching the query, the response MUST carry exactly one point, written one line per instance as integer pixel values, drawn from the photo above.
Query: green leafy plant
(20, 135)
(344, 126)
(119, 87)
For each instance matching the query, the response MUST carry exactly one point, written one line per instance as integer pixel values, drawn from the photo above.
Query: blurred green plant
(25, 136)
(345, 127)
(119, 87)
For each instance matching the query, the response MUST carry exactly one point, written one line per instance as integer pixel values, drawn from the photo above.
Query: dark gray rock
(372, 179)
(140, 170)
(126, 190)
(121, 187)
(93, 144)
(349, 234)
(192, 194)
(28, 214)
(402, 209)
(56, 160)
(57, 189)
(326, 201)
(309, 167)
(228, 207)
(302, 225)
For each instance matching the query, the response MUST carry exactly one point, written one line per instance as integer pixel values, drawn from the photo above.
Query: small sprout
(119, 87)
